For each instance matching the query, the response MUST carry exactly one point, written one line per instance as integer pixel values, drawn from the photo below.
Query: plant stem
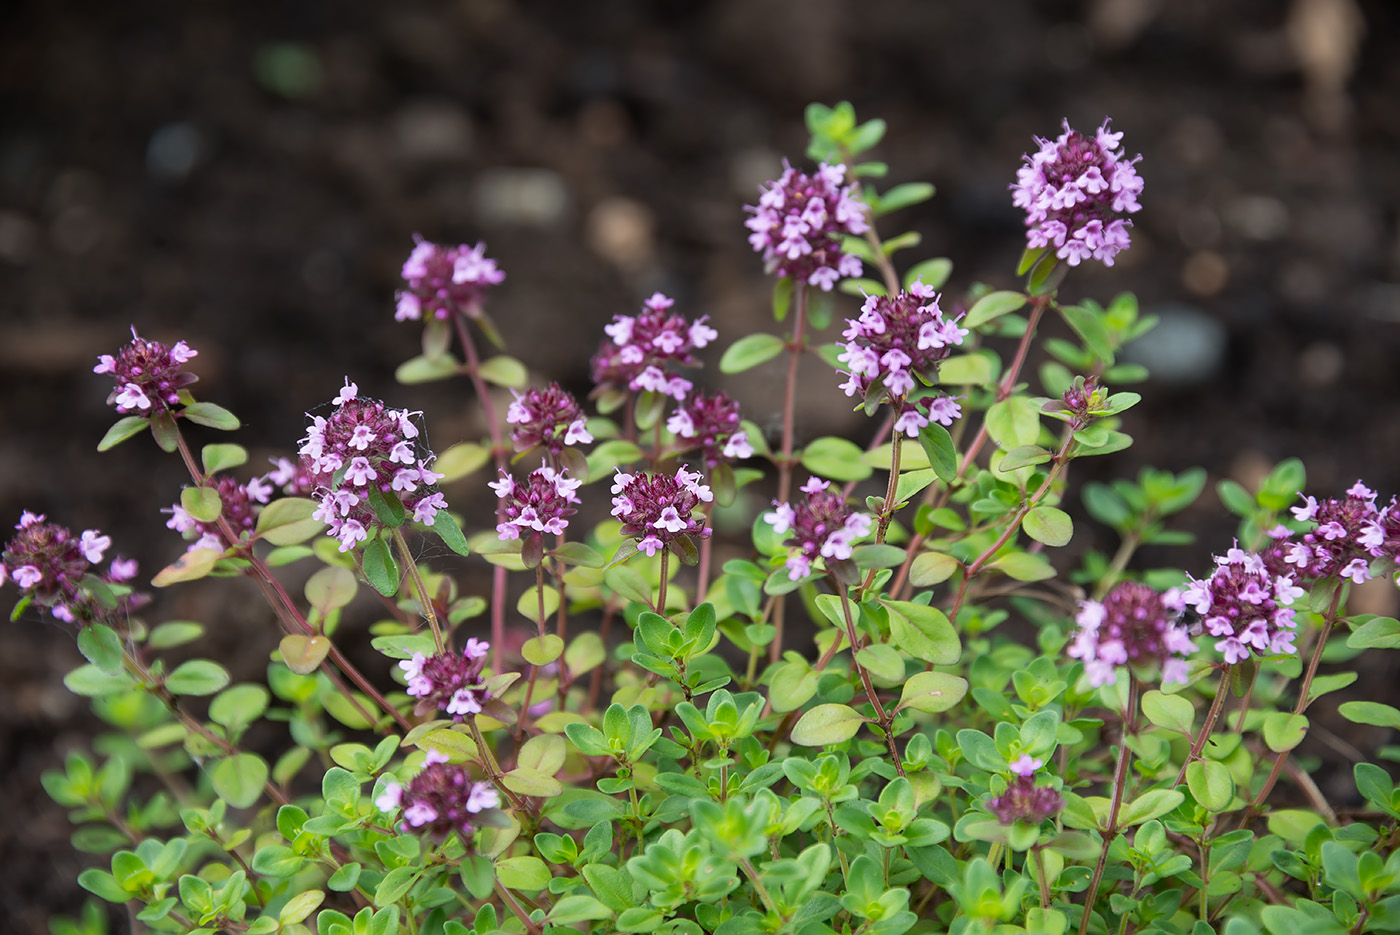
(1120, 782)
(420, 590)
(1198, 744)
(886, 719)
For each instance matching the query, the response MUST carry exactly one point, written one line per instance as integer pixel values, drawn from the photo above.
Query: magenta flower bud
(441, 799)
(148, 375)
(549, 419)
(711, 423)
(799, 221)
(1133, 625)
(1247, 605)
(444, 281)
(656, 509)
(449, 682)
(1346, 535)
(1076, 192)
(1024, 801)
(640, 348)
(49, 564)
(820, 526)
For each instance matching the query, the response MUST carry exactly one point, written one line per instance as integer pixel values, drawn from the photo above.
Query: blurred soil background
(249, 177)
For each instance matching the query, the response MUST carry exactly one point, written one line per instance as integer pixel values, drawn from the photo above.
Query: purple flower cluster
(799, 221)
(656, 508)
(548, 418)
(1074, 191)
(539, 505)
(148, 374)
(1133, 625)
(48, 563)
(1346, 535)
(447, 681)
(711, 423)
(1023, 800)
(241, 504)
(445, 281)
(641, 347)
(821, 526)
(895, 343)
(1247, 604)
(441, 799)
(363, 448)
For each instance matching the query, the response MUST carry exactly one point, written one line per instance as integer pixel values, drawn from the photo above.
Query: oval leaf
(932, 692)
(826, 724)
(303, 654)
(750, 351)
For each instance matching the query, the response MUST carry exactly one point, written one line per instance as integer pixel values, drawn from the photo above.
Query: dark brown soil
(249, 177)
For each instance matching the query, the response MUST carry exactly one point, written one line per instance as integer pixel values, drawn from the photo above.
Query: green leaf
(1022, 566)
(965, 370)
(394, 885)
(165, 432)
(202, 503)
(1149, 805)
(101, 646)
(461, 460)
(930, 568)
(216, 417)
(188, 567)
(1284, 731)
(239, 779)
(932, 692)
(992, 306)
(578, 908)
(782, 298)
(542, 650)
(381, 571)
(237, 707)
(1370, 712)
(1376, 633)
(612, 886)
(217, 458)
(923, 632)
(121, 430)
(523, 873)
(628, 583)
(1171, 712)
(1211, 784)
(423, 369)
(303, 654)
(503, 370)
(1023, 456)
(750, 351)
(1090, 328)
(91, 682)
(197, 677)
(576, 553)
(902, 196)
(827, 724)
(934, 273)
(1014, 422)
(940, 451)
(836, 459)
(300, 906)
(450, 532)
(103, 885)
(526, 781)
(344, 879)
(287, 521)
(1049, 525)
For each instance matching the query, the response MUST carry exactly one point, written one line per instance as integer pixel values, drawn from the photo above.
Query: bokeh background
(249, 176)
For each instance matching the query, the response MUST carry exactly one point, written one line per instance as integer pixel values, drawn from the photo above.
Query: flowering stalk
(1199, 742)
(420, 590)
(1120, 781)
(885, 719)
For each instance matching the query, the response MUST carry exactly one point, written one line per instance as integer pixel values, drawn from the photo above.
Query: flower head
(798, 223)
(639, 349)
(1024, 801)
(148, 375)
(711, 423)
(51, 566)
(657, 509)
(1075, 192)
(549, 419)
(1345, 535)
(1247, 604)
(819, 526)
(441, 799)
(541, 504)
(1133, 625)
(894, 344)
(448, 681)
(443, 281)
(362, 452)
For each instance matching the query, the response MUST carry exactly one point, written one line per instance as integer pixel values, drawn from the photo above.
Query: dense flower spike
(1346, 535)
(48, 563)
(444, 281)
(148, 374)
(821, 525)
(1075, 191)
(1247, 605)
(364, 449)
(798, 223)
(712, 424)
(641, 347)
(548, 418)
(241, 504)
(895, 343)
(447, 681)
(539, 505)
(1024, 801)
(1133, 625)
(441, 799)
(655, 509)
